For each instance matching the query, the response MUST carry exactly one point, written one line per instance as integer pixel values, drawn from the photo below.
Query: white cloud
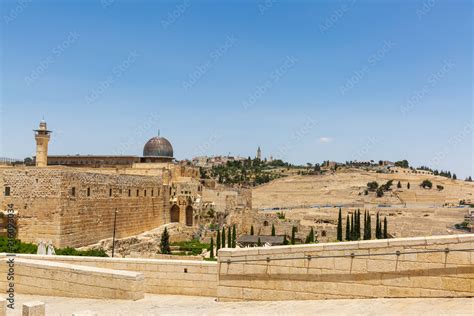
(325, 140)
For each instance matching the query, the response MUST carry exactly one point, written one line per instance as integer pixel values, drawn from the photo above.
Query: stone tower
(259, 153)
(42, 136)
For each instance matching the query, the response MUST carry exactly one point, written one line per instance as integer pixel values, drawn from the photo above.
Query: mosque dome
(158, 147)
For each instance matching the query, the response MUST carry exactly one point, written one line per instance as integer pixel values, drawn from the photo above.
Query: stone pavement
(189, 305)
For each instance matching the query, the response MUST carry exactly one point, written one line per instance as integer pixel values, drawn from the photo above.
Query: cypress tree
(385, 233)
(218, 241)
(234, 237)
(357, 225)
(259, 243)
(369, 226)
(339, 226)
(348, 228)
(251, 230)
(365, 225)
(352, 227)
(229, 238)
(293, 235)
(311, 235)
(378, 233)
(165, 243)
(273, 230)
(211, 248)
(223, 237)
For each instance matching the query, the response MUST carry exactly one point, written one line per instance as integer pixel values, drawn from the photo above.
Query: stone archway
(174, 214)
(189, 215)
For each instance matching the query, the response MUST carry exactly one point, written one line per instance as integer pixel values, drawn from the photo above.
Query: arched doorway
(174, 214)
(189, 215)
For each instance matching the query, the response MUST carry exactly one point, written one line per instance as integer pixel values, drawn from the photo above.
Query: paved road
(187, 305)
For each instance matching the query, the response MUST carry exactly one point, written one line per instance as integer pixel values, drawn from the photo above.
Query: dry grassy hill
(411, 212)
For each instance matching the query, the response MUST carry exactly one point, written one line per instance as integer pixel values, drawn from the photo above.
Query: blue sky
(306, 80)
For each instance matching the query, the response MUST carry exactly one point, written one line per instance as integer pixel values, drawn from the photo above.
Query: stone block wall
(39, 277)
(178, 277)
(74, 207)
(373, 275)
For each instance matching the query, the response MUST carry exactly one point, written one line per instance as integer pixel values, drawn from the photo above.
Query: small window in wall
(144, 193)
(323, 233)
(265, 223)
(170, 191)
(88, 191)
(129, 192)
(110, 192)
(152, 192)
(138, 192)
(7, 191)
(73, 191)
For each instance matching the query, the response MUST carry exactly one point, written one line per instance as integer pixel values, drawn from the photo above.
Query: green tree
(223, 237)
(259, 243)
(454, 176)
(426, 184)
(379, 192)
(293, 235)
(348, 228)
(229, 238)
(385, 232)
(211, 248)
(339, 226)
(251, 230)
(234, 237)
(369, 227)
(165, 243)
(218, 241)
(358, 224)
(273, 230)
(352, 227)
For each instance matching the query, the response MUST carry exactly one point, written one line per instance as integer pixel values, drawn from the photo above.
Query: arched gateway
(189, 215)
(174, 214)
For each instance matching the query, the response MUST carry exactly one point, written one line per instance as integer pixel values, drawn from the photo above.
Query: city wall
(73, 207)
(178, 277)
(39, 277)
(331, 272)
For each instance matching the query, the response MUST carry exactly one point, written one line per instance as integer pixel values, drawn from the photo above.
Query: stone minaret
(42, 136)
(259, 153)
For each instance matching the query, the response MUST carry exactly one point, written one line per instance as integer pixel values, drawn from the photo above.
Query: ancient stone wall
(72, 207)
(39, 277)
(364, 269)
(177, 277)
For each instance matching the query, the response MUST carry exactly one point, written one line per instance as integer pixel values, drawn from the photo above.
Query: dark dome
(158, 147)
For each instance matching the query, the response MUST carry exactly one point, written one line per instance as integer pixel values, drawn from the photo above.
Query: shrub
(440, 187)
(372, 186)
(426, 184)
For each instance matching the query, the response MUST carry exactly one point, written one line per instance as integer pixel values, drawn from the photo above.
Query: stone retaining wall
(179, 277)
(39, 277)
(436, 274)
